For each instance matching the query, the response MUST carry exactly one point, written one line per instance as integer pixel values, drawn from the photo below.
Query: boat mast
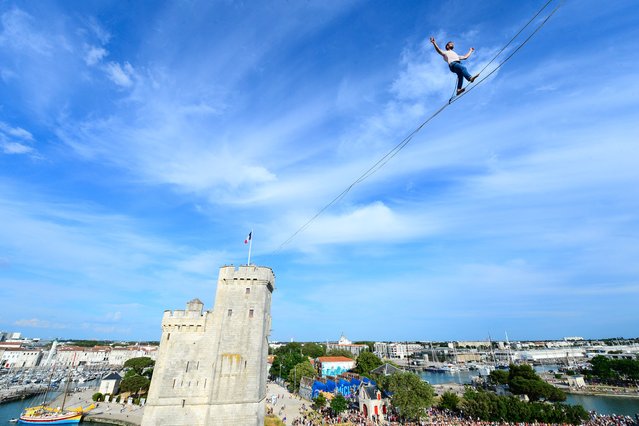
(510, 360)
(46, 393)
(492, 352)
(66, 387)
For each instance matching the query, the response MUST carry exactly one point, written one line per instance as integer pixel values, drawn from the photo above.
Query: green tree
(522, 380)
(525, 371)
(303, 369)
(139, 364)
(313, 350)
(614, 369)
(367, 361)
(286, 358)
(134, 384)
(319, 402)
(410, 394)
(490, 407)
(339, 404)
(131, 373)
(498, 377)
(97, 397)
(449, 401)
(340, 352)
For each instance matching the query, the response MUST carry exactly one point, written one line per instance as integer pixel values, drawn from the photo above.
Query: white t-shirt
(450, 56)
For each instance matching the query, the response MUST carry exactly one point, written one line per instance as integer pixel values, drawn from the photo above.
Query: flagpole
(250, 245)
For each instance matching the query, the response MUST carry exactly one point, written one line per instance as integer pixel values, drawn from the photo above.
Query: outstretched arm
(470, 51)
(432, 40)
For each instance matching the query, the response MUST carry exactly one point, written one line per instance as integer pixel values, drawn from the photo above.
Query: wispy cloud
(122, 75)
(15, 140)
(38, 323)
(21, 32)
(94, 55)
(165, 143)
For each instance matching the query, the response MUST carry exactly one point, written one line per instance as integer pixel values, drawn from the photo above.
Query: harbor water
(12, 410)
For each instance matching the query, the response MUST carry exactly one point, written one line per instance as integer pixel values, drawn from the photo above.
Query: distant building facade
(101, 355)
(212, 365)
(334, 365)
(396, 350)
(20, 358)
(344, 344)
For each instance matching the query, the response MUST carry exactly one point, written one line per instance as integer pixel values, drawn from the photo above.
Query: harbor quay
(17, 392)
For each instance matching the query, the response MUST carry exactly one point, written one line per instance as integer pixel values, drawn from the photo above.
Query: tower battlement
(181, 314)
(247, 273)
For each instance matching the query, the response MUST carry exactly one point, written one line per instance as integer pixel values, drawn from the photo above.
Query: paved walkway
(287, 406)
(131, 414)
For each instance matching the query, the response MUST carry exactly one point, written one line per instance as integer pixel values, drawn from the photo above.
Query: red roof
(334, 359)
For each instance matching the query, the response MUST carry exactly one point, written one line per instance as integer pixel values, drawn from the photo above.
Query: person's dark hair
(448, 44)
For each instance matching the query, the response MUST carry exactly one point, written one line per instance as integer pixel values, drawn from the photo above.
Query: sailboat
(45, 415)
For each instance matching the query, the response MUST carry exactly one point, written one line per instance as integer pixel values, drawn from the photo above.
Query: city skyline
(141, 143)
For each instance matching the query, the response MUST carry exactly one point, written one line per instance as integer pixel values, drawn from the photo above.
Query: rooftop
(334, 359)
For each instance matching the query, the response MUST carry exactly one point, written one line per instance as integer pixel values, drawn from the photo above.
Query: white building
(334, 365)
(118, 356)
(372, 405)
(102, 355)
(76, 355)
(576, 381)
(547, 354)
(20, 358)
(397, 350)
(110, 384)
(344, 344)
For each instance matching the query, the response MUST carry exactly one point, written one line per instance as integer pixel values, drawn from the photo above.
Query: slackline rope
(401, 145)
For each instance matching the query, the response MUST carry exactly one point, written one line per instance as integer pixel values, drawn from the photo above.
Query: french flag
(250, 235)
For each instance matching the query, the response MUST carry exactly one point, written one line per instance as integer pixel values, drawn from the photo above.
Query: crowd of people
(437, 417)
(326, 417)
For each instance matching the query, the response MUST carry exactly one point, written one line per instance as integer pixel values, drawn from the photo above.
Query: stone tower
(211, 367)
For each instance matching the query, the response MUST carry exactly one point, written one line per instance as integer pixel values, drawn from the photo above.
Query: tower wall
(211, 367)
(242, 322)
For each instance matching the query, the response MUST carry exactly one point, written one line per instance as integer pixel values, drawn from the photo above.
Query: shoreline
(96, 418)
(593, 393)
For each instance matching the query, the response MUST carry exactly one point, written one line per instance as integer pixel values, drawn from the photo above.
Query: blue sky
(141, 141)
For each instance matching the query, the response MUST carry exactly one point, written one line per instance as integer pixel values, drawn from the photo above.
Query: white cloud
(114, 316)
(122, 75)
(374, 222)
(18, 132)
(9, 145)
(19, 31)
(38, 323)
(15, 148)
(95, 55)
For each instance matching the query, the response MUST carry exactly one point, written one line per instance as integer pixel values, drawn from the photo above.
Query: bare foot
(460, 91)
(472, 79)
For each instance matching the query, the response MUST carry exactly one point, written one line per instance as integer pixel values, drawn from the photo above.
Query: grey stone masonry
(211, 367)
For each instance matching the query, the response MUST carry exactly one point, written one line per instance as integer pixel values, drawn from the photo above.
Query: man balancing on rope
(454, 63)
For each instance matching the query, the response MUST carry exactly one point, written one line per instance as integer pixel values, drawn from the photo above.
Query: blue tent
(317, 388)
(330, 386)
(344, 387)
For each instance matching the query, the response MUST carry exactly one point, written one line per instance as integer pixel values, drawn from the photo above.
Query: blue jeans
(461, 72)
